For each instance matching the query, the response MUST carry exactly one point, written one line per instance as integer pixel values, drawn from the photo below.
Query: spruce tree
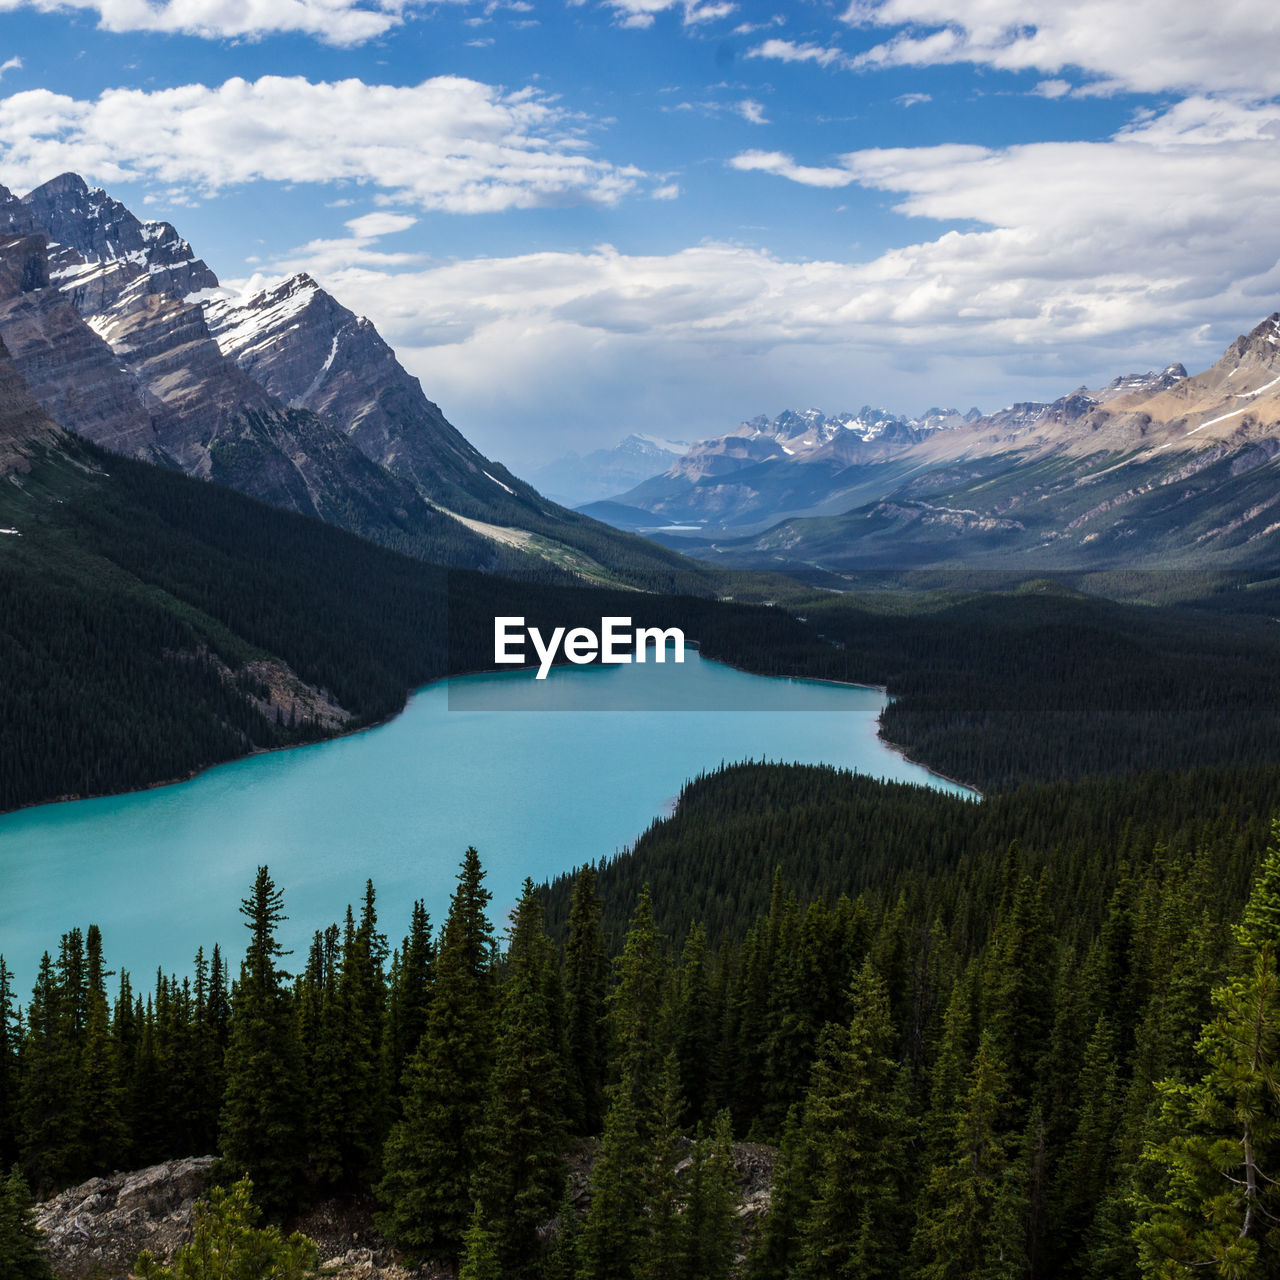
(1217, 1211)
(263, 1124)
(856, 1124)
(709, 1226)
(521, 1178)
(10, 1040)
(21, 1255)
(586, 972)
(479, 1252)
(432, 1153)
(972, 1219)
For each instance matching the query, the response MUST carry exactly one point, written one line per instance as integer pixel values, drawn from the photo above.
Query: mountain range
(1158, 469)
(126, 338)
(577, 479)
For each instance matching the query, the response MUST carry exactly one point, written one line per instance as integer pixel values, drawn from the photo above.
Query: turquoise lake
(478, 760)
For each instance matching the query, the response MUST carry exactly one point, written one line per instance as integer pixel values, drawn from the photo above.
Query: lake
(477, 760)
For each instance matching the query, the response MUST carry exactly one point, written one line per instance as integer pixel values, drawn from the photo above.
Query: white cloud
(10, 64)
(913, 99)
(668, 191)
(1140, 45)
(1052, 89)
(336, 22)
(1088, 258)
(751, 111)
(372, 225)
(448, 143)
(789, 51)
(641, 14)
(781, 164)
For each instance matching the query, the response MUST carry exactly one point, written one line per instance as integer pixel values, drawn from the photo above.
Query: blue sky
(578, 220)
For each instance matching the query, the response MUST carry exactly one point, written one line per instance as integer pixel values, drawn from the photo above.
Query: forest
(1036, 1036)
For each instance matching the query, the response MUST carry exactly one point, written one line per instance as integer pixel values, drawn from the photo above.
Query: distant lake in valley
(536, 791)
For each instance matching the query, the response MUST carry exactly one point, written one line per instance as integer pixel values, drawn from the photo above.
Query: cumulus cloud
(641, 14)
(751, 111)
(781, 164)
(1147, 46)
(336, 22)
(1160, 243)
(449, 143)
(790, 51)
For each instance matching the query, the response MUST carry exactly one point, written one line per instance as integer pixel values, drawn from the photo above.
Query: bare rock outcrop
(98, 1228)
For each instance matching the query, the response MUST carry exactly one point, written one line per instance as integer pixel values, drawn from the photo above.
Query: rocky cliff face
(126, 338)
(24, 425)
(97, 315)
(305, 348)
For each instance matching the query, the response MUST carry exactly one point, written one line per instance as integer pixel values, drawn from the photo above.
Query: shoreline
(177, 780)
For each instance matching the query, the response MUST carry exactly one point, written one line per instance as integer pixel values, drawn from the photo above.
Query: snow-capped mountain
(126, 337)
(768, 467)
(1155, 470)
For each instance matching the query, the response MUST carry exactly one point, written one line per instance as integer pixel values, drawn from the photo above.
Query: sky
(576, 220)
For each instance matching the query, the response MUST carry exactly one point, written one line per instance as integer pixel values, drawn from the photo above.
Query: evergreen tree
(586, 972)
(408, 999)
(21, 1256)
(479, 1252)
(226, 1245)
(433, 1151)
(856, 1124)
(972, 1224)
(522, 1175)
(1219, 1211)
(639, 1014)
(709, 1226)
(10, 1040)
(263, 1119)
(613, 1237)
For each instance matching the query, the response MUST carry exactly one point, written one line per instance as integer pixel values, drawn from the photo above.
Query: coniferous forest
(1036, 1036)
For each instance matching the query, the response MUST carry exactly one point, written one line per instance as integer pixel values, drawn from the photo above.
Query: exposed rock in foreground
(96, 1230)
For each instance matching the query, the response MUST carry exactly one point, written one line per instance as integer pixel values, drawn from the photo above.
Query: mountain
(575, 479)
(127, 339)
(765, 468)
(1156, 470)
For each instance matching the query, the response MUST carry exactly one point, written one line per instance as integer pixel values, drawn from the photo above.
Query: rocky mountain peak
(99, 230)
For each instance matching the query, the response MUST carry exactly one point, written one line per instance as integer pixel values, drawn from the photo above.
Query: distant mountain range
(575, 479)
(124, 337)
(1153, 470)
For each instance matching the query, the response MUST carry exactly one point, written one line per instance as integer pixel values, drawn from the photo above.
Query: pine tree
(10, 1040)
(479, 1252)
(855, 1119)
(1219, 1211)
(226, 1245)
(639, 1013)
(522, 1175)
(613, 1237)
(776, 1253)
(408, 1000)
(586, 972)
(21, 1255)
(972, 1220)
(433, 1151)
(709, 1226)
(263, 1119)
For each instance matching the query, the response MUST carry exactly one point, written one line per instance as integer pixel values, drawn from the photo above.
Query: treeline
(1002, 1062)
(128, 599)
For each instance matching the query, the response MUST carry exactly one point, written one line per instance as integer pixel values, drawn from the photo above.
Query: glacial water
(536, 791)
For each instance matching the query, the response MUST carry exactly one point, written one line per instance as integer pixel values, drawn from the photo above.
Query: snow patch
(500, 485)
